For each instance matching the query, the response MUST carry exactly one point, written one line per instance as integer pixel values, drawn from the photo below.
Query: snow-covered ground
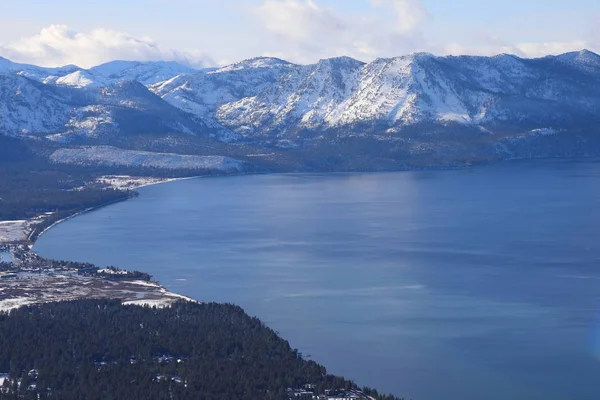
(158, 303)
(126, 182)
(48, 286)
(19, 231)
(108, 155)
(14, 231)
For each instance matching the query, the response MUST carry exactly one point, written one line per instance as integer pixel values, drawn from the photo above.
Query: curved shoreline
(90, 209)
(150, 292)
(87, 210)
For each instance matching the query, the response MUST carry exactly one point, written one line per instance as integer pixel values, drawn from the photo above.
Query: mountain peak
(342, 61)
(422, 54)
(80, 79)
(146, 72)
(585, 56)
(257, 62)
(587, 52)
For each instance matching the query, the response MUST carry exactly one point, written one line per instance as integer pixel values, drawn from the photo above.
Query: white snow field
(28, 288)
(108, 155)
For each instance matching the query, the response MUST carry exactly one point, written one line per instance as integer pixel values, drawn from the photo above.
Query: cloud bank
(304, 31)
(301, 31)
(56, 45)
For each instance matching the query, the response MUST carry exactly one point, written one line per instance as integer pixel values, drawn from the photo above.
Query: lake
(470, 284)
(5, 256)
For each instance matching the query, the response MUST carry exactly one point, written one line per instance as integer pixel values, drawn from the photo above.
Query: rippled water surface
(470, 284)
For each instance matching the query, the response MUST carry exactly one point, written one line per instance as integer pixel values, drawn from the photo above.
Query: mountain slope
(34, 72)
(393, 93)
(392, 110)
(77, 108)
(202, 93)
(27, 106)
(144, 72)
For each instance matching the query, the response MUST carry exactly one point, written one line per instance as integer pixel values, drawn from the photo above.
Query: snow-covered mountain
(34, 72)
(148, 72)
(69, 102)
(79, 79)
(202, 94)
(418, 104)
(84, 107)
(388, 95)
(144, 72)
(27, 106)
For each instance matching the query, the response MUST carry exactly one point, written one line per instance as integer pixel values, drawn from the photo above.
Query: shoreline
(90, 209)
(133, 189)
(145, 293)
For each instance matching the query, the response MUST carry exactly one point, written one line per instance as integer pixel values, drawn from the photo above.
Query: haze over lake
(468, 284)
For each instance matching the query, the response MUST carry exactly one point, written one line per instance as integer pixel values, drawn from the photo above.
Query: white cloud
(304, 31)
(301, 31)
(540, 49)
(525, 49)
(56, 45)
(410, 14)
(298, 20)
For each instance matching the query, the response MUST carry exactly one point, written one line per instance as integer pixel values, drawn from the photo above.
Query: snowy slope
(202, 93)
(268, 101)
(34, 72)
(112, 156)
(27, 106)
(270, 97)
(584, 60)
(304, 96)
(146, 73)
(82, 106)
(79, 79)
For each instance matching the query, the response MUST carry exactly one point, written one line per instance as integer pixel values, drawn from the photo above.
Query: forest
(99, 349)
(30, 185)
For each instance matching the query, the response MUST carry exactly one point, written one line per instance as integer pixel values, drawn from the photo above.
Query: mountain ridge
(450, 107)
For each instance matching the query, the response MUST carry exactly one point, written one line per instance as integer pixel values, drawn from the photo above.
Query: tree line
(99, 349)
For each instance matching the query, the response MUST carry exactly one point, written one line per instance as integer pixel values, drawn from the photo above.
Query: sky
(204, 33)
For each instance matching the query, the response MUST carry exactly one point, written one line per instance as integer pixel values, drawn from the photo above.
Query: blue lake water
(470, 284)
(5, 256)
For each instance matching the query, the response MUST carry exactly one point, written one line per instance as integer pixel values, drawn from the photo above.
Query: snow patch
(27, 288)
(80, 79)
(158, 303)
(14, 231)
(14, 303)
(542, 132)
(107, 155)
